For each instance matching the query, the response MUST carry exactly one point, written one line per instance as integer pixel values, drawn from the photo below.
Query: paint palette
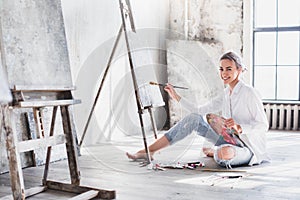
(217, 124)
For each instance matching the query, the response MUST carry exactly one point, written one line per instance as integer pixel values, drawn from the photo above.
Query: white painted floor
(105, 166)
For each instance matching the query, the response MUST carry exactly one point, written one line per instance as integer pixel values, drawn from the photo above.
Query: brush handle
(179, 87)
(163, 85)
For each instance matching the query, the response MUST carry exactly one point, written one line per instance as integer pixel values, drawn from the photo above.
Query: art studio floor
(105, 166)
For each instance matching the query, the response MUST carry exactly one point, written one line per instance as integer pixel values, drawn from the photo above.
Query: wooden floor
(105, 166)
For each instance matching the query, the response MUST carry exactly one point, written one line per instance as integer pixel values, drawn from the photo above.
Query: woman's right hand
(170, 90)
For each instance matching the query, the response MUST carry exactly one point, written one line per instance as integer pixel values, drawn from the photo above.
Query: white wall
(91, 29)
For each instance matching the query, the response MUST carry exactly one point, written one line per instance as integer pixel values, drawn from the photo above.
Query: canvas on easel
(33, 56)
(150, 96)
(5, 94)
(5, 98)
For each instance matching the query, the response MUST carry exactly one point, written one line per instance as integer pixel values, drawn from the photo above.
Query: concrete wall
(217, 24)
(190, 65)
(91, 28)
(207, 28)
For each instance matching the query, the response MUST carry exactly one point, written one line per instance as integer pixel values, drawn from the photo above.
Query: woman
(243, 111)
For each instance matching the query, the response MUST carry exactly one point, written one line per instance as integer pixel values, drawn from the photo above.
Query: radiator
(282, 116)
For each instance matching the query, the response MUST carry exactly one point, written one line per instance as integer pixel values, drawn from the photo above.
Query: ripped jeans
(195, 122)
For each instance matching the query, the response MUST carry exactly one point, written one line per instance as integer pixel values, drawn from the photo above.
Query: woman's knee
(226, 153)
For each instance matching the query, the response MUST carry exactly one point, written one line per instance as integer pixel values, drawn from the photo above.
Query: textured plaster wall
(213, 27)
(190, 66)
(217, 23)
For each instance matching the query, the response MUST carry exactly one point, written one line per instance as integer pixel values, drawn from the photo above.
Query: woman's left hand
(230, 123)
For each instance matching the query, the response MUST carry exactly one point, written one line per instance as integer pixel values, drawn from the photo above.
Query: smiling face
(229, 72)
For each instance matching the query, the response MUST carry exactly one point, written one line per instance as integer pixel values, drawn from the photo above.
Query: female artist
(241, 107)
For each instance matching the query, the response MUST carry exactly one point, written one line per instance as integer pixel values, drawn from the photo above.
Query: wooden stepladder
(38, 98)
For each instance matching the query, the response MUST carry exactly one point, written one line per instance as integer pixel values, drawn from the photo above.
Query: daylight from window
(276, 56)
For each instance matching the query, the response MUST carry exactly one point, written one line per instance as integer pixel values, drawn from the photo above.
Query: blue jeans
(195, 122)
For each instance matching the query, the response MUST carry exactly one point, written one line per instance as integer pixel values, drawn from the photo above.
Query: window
(276, 46)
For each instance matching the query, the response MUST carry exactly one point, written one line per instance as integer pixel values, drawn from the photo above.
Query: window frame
(275, 30)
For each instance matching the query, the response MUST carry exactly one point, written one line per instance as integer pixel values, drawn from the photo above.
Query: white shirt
(245, 107)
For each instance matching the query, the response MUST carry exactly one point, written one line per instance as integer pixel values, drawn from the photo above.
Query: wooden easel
(125, 10)
(38, 98)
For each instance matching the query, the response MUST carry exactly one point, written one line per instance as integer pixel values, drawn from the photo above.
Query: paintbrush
(163, 85)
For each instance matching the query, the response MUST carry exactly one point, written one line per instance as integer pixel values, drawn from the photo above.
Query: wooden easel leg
(144, 138)
(70, 145)
(48, 156)
(134, 80)
(101, 84)
(153, 122)
(15, 168)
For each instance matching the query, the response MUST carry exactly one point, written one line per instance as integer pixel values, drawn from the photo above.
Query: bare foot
(209, 152)
(138, 156)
